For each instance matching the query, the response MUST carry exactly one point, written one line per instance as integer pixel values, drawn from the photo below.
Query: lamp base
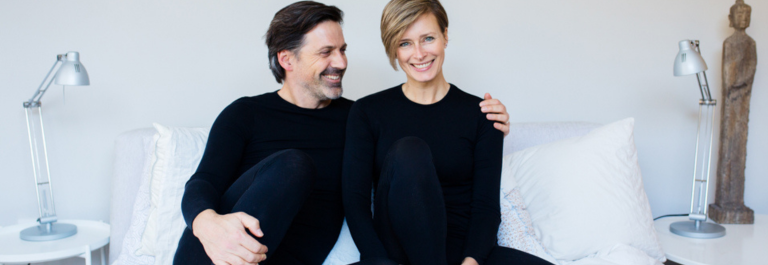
(697, 229)
(48, 232)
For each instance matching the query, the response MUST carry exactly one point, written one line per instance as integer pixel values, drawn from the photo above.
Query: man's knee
(295, 157)
(296, 165)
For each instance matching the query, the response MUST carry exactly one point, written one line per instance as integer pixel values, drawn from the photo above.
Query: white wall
(179, 62)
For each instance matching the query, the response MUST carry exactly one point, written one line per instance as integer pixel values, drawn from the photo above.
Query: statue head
(740, 15)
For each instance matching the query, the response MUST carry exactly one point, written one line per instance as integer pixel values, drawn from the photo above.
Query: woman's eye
(428, 39)
(404, 44)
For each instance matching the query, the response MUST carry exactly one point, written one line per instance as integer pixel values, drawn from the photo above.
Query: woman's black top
(467, 154)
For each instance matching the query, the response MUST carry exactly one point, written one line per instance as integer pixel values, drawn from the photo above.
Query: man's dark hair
(286, 32)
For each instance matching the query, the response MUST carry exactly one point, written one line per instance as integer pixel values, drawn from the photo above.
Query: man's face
(321, 61)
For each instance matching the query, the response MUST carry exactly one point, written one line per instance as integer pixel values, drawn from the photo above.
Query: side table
(742, 244)
(91, 235)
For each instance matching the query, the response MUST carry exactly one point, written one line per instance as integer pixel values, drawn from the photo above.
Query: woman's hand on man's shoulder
(497, 112)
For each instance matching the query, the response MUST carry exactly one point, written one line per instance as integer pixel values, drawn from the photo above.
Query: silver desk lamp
(687, 62)
(70, 73)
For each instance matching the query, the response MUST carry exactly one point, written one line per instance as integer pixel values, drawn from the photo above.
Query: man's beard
(322, 90)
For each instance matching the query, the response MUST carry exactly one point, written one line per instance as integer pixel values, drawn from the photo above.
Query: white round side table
(91, 235)
(742, 244)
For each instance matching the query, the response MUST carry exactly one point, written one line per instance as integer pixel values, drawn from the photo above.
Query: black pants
(275, 191)
(410, 214)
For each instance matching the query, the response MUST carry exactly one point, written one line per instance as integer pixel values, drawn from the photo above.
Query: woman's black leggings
(410, 216)
(273, 191)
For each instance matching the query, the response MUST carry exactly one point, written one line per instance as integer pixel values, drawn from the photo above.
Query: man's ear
(284, 58)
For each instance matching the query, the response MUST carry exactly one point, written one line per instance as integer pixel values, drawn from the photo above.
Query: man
(268, 188)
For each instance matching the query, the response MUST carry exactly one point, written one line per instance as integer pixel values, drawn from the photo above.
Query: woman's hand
(225, 240)
(469, 260)
(495, 112)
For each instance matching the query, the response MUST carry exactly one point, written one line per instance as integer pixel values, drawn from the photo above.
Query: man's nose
(339, 61)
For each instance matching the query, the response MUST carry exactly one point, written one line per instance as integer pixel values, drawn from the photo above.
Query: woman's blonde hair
(399, 14)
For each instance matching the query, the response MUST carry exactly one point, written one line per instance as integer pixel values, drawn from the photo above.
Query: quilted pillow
(516, 229)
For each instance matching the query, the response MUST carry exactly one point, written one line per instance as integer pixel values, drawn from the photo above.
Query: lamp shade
(688, 60)
(72, 72)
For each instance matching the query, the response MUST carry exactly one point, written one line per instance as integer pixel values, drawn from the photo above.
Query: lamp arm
(703, 87)
(706, 87)
(35, 100)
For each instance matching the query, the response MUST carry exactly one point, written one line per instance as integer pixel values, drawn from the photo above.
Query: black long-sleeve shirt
(467, 154)
(252, 128)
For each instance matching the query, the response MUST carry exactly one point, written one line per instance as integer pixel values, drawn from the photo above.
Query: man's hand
(469, 260)
(225, 240)
(496, 112)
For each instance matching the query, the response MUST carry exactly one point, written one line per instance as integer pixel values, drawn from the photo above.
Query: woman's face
(421, 50)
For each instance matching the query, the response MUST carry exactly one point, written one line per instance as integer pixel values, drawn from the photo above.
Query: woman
(431, 155)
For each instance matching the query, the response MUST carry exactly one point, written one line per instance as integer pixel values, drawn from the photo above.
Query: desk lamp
(70, 73)
(687, 62)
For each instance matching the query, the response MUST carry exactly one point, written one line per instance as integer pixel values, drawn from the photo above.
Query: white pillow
(177, 155)
(157, 175)
(586, 193)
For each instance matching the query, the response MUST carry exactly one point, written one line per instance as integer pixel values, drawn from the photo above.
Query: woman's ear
(445, 35)
(284, 58)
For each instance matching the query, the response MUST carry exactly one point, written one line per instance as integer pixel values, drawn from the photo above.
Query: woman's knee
(411, 162)
(411, 150)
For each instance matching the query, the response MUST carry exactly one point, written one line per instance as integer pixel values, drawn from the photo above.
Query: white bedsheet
(619, 254)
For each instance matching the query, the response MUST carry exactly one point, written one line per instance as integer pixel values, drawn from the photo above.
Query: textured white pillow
(516, 229)
(586, 193)
(157, 175)
(176, 155)
(179, 151)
